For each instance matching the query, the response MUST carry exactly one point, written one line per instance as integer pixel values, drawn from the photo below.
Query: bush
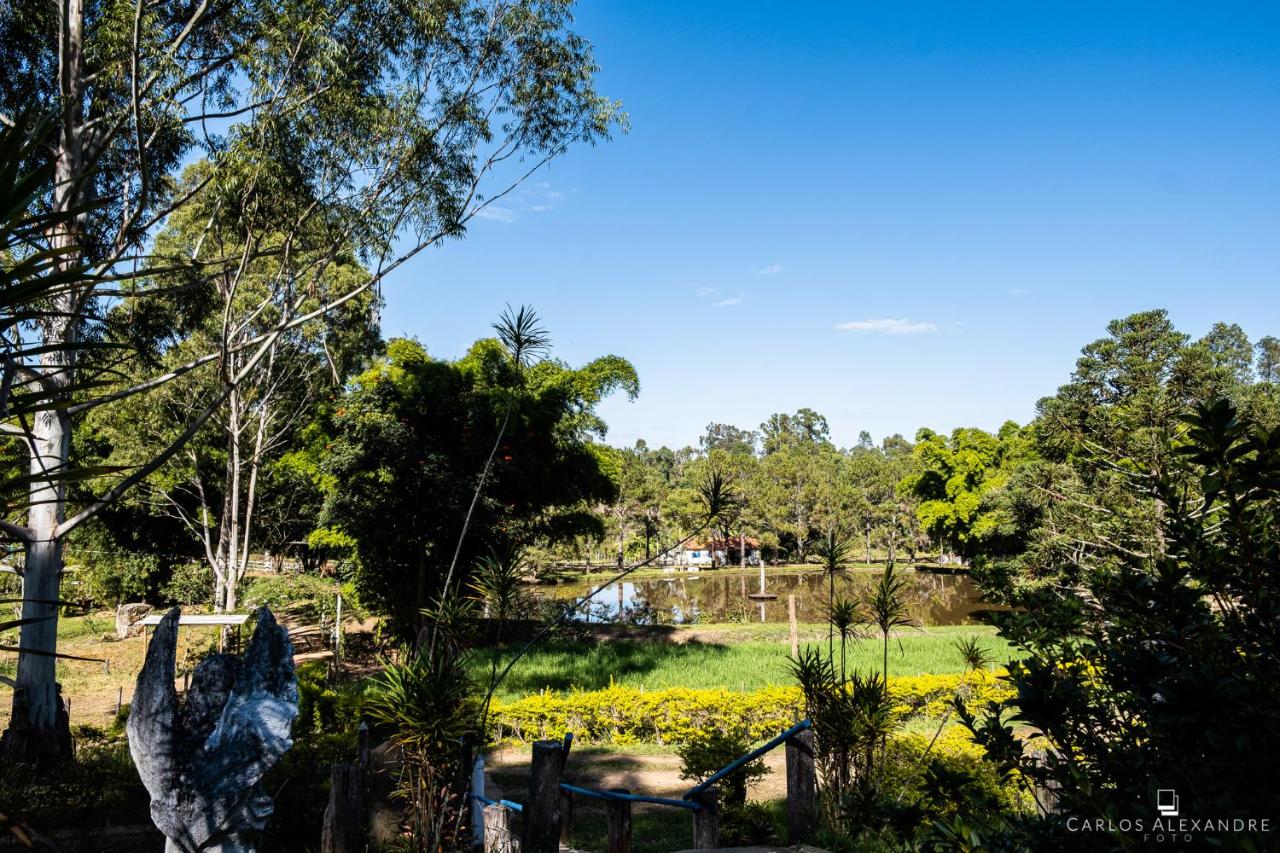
(624, 715)
(324, 707)
(99, 788)
(300, 786)
(702, 755)
(190, 585)
(109, 578)
(310, 597)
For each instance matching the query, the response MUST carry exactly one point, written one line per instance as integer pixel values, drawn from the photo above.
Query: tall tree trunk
(39, 730)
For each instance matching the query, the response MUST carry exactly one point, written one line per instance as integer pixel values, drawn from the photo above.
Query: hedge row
(625, 715)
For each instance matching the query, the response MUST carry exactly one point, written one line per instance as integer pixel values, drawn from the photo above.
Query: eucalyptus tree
(217, 486)
(379, 126)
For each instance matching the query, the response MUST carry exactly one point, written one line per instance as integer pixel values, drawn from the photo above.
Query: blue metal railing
(688, 801)
(515, 807)
(750, 756)
(634, 798)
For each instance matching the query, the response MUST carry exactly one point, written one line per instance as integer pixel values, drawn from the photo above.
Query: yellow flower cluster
(624, 715)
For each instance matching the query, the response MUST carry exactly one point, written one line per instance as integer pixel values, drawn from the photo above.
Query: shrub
(703, 754)
(623, 715)
(109, 578)
(98, 788)
(325, 707)
(190, 585)
(310, 597)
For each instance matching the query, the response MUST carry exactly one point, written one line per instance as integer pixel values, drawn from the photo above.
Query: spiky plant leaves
(521, 332)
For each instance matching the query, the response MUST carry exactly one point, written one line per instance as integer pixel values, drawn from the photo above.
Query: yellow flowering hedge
(623, 715)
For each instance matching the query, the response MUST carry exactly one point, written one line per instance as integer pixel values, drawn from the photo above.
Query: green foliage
(1102, 442)
(190, 584)
(325, 707)
(956, 475)
(751, 824)
(109, 578)
(710, 749)
(99, 788)
(309, 597)
(1159, 670)
(411, 439)
(299, 784)
(429, 707)
(679, 715)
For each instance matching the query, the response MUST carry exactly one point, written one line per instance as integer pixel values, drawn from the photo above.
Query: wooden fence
(547, 812)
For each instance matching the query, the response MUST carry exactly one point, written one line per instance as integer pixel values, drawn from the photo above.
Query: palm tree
(845, 616)
(887, 606)
(833, 552)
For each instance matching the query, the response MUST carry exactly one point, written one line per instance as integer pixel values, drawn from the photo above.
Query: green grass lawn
(740, 665)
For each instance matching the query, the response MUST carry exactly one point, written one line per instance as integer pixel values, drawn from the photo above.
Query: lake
(683, 598)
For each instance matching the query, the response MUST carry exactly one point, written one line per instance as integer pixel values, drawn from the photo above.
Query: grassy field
(743, 656)
(95, 687)
(723, 659)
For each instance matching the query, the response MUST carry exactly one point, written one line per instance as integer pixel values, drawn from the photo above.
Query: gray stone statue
(203, 761)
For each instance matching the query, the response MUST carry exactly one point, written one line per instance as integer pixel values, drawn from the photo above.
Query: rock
(203, 761)
(127, 618)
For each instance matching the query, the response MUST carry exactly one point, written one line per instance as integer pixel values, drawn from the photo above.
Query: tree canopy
(409, 442)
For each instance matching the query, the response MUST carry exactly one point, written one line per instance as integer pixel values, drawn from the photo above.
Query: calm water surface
(683, 598)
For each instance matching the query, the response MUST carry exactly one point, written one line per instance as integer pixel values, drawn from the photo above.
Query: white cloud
(497, 214)
(705, 291)
(538, 197)
(888, 327)
(732, 300)
(771, 269)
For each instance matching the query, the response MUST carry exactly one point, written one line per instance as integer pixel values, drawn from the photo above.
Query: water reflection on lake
(722, 596)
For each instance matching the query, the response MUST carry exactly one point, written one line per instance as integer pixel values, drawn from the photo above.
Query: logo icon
(1167, 802)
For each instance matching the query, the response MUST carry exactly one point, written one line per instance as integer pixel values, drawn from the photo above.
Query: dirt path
(507, 771)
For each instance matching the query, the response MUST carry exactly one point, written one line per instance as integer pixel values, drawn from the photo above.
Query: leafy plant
(428, 706)
(713, 748)
(845, 616)
(851, 719)
(886, 604)
(1159, 670)
(191, 584)
(833, 552)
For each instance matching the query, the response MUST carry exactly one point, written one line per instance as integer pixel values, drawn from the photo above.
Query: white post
(337, 631)
(477, 808)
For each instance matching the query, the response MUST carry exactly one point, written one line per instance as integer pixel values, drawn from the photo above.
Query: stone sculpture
(203, 760)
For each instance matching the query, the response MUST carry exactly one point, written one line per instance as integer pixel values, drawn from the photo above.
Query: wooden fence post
(566, 818)
(795, 628)
(344, 818)
(497, 830)
(363, 745)
(542, 809)
(706, 821)
(619, 822)
(802, 788)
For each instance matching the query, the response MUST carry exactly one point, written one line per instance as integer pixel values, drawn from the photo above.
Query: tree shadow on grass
(563, 666)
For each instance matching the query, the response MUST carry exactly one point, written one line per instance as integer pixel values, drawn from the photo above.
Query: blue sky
(971, 190)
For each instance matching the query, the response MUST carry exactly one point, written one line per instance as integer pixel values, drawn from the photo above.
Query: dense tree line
(1024, 501)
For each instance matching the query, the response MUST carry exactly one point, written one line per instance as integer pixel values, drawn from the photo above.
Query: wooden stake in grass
(795, 627)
